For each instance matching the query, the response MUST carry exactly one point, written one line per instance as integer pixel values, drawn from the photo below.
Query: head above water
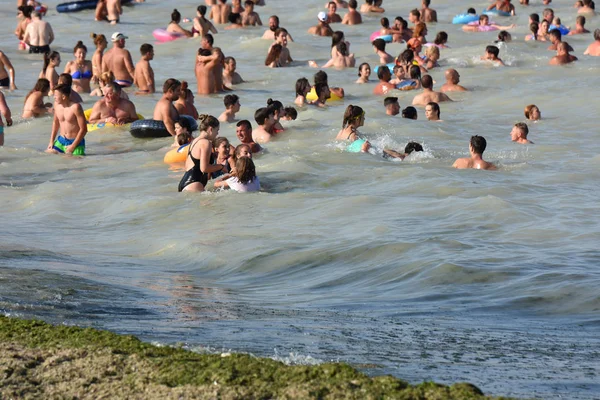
(477, 144)
(413, 146)
(409, 113)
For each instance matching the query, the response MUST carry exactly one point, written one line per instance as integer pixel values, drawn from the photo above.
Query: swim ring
(163, 36)
(356, 146)
(498, 13)
(149, 128)
(407, 85)
(377, 35)
(483, 28)
(177, 155)
(562, 29)
(390, 66)
(100, 125)
(75, 6)
(465, 18)
(312, 96)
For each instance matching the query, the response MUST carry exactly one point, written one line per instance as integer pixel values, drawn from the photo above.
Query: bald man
(452, 79)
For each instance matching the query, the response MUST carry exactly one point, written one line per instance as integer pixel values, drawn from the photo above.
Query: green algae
(112, 364)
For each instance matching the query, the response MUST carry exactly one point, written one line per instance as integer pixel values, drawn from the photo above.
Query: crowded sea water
(347, 247)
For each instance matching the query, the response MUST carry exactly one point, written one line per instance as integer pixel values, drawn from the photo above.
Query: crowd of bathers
(109, 73)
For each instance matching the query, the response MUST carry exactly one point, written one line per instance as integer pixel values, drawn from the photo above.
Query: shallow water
(410, 268)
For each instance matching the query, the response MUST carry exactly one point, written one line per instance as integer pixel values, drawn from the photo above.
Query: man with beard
(273, 26)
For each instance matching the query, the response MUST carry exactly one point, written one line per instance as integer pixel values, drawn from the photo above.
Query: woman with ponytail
(51, 62)
(174, 26)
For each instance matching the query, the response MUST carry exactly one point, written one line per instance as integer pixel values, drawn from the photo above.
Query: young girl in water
(364, 72)
(302, 89)
(279, 112)
(222, 156)
(432, 55)
(354, 117)
(243, 179)
(51, 62)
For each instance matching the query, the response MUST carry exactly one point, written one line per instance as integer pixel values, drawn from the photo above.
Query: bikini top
(79, 75)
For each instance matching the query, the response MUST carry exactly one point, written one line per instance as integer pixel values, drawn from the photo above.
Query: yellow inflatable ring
(99, 125)
(312, 96)
(177, 155)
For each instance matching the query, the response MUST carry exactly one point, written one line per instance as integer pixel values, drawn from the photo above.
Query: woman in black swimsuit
(199, 162)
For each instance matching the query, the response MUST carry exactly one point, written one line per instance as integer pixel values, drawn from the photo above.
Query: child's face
(245, 152)
(223, 149)
(179, 129)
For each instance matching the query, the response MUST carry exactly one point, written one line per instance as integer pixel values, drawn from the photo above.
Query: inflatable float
(497, 13)
(150, 129)
(312, 96)
(377, 35)
(75, 6)
(177, 155)
(100, 125)
(483, 28)
(163, 36)
(562, 29)
(465, 18)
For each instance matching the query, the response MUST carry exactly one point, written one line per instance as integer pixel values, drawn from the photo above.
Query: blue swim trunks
(62, 143)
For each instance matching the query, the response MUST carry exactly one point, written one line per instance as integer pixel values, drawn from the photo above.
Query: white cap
(117, 36)
(322, 16)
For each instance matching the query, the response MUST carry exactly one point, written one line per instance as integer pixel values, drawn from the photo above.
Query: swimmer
(415, 45)
(265, 118)
(174, 26)
(202, 26)
(391, 106)
(404, 34)
(34, 101)
(427, 14)
(164, 110)
(118, 61)
(339, 3)
(222, 153)
(281, 37)
(323, 93)
(232, 106)
(532, 113)
(249, 16)
(24, 17)
(322, 28)
(432, 111)
(7, 73)
(485, 26)
(440, 40)
(587, 8)
(433, 55)
(185, 104)
(477, 146)
(51, 62)
(410, 147)
(519, 133)
(207, 42)
(414, 16)
(491, 54)
(409, 113)
(244, 134)
(243, 179)
(70, 120)
(273, 27)
(419, 32)
(543, 32)
(384, 85)
(562, 55)
(38, 34)
(290, 114)
(278, 113)
(341, 59)
(429, 95)
(219, 12)
(548, 15)
(144, 74)
(579, 26)
(354, 118)
(321, 77)
(534, 29)
(273, 58)
(302, 89)
(555, 39)
(371, 7)
(236, 21)
(594, 48)
(353, 17)
(183, 133)
(242, 150)
(503, 37)
(80, 69)
(332, 16)
(100, 42)
(230, 76)
(112, 108)
(379, 48)
(4, 111)
(385, 28)
(364, 72)
(67, 79)
(452, 80)
(503, 5)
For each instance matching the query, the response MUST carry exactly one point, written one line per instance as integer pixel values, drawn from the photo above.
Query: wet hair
(389, 101)
(427, 81)
(249, 3)
(382, 70)
(238, 150)
(427, 2)
(184, 138)
(171, 84)
(420, 27)
(276, 18)
(483, 17)
(379, 44)
(320, 76)
(107, 77)
(49, 56)
(441, 38)
(115, 87)
(275, 104)
(548, 11)
(321, 89)
(229, 59)
(63, 89)
(492, 50)
(201, 10)
(416, 13)
(360, 67)
(522, 126)
(209, 38)
(274, 54)
(98, 39)
(534, 17)
(352, 3)
(533, 28)
(66, 79)
(435, 107)
(471, 11)
(337, 37)
(302, 85)
(262, 114)
(385, 23)
(279, 31)
(176, 16)
(410, 113)
(414, 72)
(478, 143)
(235, 18)
(81, 46)
(556, 33)
(597, 34)
(42, 85)
(412, 146)
(580, 20)
(26, 10)
(352, 113)
(291, 112)
(342, 48)
(146, 48)
(503, 36)
(245, 123)
(564, 46)
(245, 170)
(407, 56)
(432, 51)
(204, 52)
(230, 100)
(217, 142)
(207, 121)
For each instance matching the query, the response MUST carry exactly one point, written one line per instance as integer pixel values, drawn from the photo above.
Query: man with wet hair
(477, 146)
(519, 133)
(594, 48)
(353, 17)
(410, 147)
(249, 16)
(332, 16)
(429, 95)
(427, 14)
(265, 118)
(379, 47)
(244, 133)
(555, 39)
(112, 108)
(391, 106)
(384, 85)
(144, 74)
(273, 26)
(232, 106)
(491, 54)
(452, 80)
(562, 55)
(579, 26)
